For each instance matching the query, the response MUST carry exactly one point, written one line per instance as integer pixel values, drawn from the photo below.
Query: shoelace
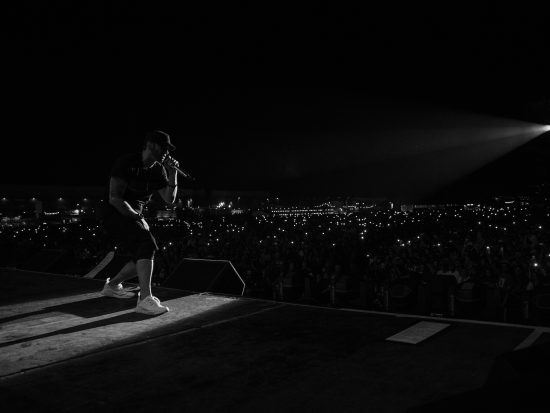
(155, 299)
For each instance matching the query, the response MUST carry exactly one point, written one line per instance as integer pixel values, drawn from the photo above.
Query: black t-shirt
(142, 181)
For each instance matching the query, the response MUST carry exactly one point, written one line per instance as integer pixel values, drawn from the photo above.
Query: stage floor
(65, 347)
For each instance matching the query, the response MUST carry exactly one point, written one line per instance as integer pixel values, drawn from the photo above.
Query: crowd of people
(78, 244)
(483, 261)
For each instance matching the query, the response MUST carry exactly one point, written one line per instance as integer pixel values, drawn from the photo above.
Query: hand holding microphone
(170, 162)
(174, 164)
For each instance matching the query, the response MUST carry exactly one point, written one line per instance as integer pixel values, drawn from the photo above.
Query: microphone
(184, 174)
(178, 170)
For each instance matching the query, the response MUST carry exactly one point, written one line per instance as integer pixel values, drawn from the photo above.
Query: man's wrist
(138, 217)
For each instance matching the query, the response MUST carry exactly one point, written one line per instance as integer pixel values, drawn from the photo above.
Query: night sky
(374, 101)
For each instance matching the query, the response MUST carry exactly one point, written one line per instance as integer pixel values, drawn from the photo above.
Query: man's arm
(169, 192)
(117, 186)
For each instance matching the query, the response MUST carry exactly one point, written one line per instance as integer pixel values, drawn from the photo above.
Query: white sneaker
(116, 292)
(150, 305)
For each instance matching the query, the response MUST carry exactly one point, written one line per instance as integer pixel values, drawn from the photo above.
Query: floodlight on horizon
(410, 158)
(464, 151)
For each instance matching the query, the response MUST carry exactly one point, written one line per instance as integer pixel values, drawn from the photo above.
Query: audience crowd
(481, 261)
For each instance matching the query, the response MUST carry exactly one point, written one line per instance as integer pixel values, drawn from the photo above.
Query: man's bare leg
(128, 271)
(145, 272)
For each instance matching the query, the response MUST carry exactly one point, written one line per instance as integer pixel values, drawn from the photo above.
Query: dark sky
(253, 94)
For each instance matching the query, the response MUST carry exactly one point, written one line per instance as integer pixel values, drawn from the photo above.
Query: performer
(134, 179)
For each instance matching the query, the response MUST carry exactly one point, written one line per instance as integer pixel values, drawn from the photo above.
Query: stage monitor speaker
(45, 260)
(200, 275)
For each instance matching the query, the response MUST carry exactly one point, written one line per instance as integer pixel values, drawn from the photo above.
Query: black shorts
(130, 237)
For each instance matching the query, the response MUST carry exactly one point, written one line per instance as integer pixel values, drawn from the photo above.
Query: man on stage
(134, 179)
